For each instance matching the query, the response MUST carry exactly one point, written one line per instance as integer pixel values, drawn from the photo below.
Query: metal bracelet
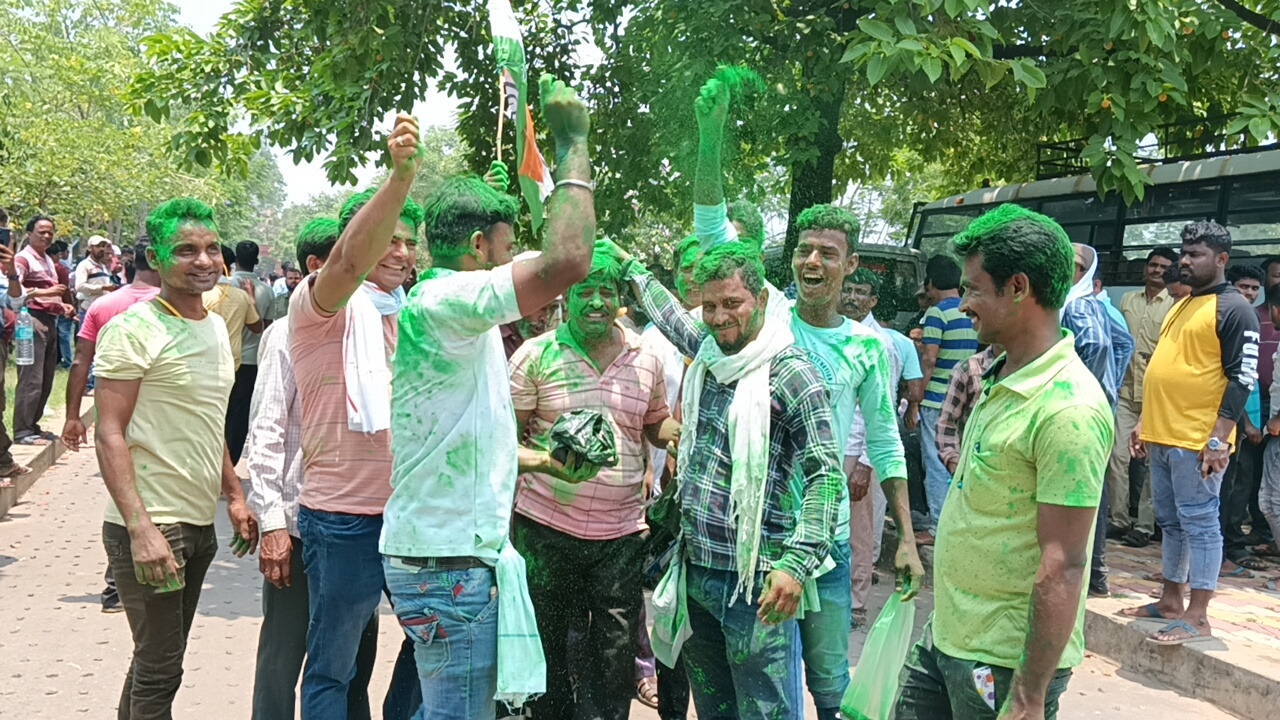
(579, 183)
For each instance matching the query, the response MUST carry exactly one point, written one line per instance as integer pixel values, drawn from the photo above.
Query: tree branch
(1013, 52)
(1256, 19)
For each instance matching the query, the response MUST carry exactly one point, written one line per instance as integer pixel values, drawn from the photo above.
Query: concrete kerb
(43, 460)
(1238, 678)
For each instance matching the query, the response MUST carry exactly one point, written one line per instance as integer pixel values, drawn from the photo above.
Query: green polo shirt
(1042, 434)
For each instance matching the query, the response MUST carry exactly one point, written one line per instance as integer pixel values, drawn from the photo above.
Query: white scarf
(367, 369)
(748, 431)
(1083, 288)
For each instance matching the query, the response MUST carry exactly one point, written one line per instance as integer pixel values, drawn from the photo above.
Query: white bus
(1239, 191)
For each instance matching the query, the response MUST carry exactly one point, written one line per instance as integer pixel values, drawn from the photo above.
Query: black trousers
(571, 579)
(35, 381)
(237, 425)
(160, 621)
(1238, 489)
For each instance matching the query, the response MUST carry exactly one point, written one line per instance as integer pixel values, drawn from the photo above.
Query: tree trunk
(811, 182)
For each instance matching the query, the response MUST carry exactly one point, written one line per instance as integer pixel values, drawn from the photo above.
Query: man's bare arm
(1063, 534)
(366, 238)
(571, 214)
(73, 430)
(929, 361)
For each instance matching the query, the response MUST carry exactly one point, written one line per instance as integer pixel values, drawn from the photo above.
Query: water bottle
(26, 337)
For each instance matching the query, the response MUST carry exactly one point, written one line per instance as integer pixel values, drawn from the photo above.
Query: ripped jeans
(452, 618)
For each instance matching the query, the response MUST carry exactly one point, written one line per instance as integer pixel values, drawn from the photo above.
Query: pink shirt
(342, 471)
(550, 378)
(112, 304)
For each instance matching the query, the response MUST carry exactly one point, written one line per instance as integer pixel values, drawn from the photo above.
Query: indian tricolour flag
(508, 50)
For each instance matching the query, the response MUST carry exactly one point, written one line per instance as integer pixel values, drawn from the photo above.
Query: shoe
(1136, 539)
(1158, 535)
(112, 605)
(1115, 532)
(1099, 590)
(923, 539)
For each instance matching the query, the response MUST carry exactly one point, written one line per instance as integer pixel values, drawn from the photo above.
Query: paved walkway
(1241, 611)
(61, 658)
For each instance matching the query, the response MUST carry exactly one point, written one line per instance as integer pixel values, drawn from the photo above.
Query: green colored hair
(317, 239)
(748, 216)
(171, 216)
(1011, 240)
(688, 253)
(830, 217)
(411, 213)
(863, 276)
(725, 261)
(605, 268)
(164, 222)
(461, 207)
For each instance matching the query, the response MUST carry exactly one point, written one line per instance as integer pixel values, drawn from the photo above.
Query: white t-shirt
(673, 372)
(453, 425)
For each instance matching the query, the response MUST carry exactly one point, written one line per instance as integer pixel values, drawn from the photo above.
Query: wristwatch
(1215, 444)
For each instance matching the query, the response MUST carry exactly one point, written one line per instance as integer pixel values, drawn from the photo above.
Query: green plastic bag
(875, 681)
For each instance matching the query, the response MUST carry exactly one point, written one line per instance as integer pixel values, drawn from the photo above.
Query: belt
(445, 563)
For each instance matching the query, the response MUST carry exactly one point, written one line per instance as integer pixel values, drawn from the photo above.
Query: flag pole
(502, 113)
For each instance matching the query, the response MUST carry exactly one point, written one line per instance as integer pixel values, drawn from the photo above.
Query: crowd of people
(402, 438)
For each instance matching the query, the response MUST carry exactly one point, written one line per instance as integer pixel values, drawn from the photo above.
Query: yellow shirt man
(238, 311)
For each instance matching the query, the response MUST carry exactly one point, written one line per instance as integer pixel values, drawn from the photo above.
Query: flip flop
(1240, 573)
(1253, 563)
(1268, 550)
(32, 440)
(1193, 634)
(14, 470)
(1271, 586)
(1144, 612)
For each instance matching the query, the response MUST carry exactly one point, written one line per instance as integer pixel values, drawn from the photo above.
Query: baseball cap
(97, 240)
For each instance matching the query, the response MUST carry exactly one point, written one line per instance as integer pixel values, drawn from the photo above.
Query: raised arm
(710, 219)
(571, 213)
(366, 238)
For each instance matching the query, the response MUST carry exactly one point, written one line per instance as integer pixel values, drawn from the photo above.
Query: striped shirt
(801, 440)
(952, 331)
(274, 445)
(345, 471)
(549, 377)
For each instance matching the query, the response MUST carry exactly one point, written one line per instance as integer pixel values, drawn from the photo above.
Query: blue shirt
(1102, 344)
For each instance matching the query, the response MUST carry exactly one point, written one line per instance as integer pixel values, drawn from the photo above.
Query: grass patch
(57, 398)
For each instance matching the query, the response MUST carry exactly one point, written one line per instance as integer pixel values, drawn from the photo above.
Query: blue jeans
(344, 578)
(937, 479)
(452, 618)
(1186, 506)
(66, 336)
(824, 635)
(739, 668)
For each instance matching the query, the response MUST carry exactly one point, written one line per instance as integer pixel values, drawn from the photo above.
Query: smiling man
(751, 540)
(164, 372)
(1013, 538)
(582, 541)
(343, 333)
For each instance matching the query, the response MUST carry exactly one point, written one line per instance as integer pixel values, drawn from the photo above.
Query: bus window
(1177, 201)
(1081, 209)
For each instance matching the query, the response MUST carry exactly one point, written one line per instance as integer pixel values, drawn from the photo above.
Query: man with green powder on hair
(583, 542)
(854, 362)
(164, 373)
(342, 327)
(1013, 544)
(457, 584)
(752, 541)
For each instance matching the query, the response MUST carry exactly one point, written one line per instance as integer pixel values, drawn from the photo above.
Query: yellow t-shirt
(1041, 435)
(235, 307)
(175, 437)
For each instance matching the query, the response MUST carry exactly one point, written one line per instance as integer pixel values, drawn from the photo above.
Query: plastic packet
(874, 685)
(583, 437)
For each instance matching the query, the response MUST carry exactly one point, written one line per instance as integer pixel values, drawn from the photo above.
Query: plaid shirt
(274, 446)
(795, 539)
(962, 395)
